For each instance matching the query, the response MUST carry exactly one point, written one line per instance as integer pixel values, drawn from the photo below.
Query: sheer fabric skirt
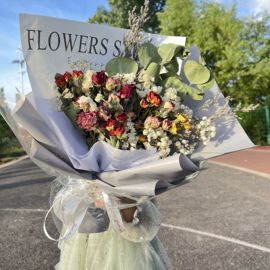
(110, 251)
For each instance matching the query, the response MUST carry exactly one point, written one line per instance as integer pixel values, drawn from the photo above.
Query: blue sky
(79, 10)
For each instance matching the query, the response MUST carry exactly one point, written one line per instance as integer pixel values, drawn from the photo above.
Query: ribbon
(72, 201)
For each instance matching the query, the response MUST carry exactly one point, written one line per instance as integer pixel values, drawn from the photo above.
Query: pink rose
(113, 98)
(151, 122)
(166, 124)
(87, 120)
(111, 84)
(169, 106)
(144, 103)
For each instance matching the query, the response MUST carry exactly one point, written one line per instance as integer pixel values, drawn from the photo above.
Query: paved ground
(218, 221)
(255, 159)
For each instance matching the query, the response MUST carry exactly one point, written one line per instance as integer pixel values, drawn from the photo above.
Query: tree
(118, 15)
(5, 132)
(178, 18)
(217, 33)
(254, 75)
(237, 50)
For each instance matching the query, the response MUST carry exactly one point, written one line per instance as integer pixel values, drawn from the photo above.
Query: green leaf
(202, 61)
(175, 82)
(168, 52)
(172, 66)
(71, 111)
(121, 65)
(196, 73)
(186, 52)
(148, 53)
(206, 86)
(153, 70)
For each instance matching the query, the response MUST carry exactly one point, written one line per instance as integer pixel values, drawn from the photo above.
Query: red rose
(154, 99)
(99, 79)
(127, 91)
(77, 74)
(118, 131)
(67, 76)
(110, 125)
(121, 117)
(86, 120)
(60, 81)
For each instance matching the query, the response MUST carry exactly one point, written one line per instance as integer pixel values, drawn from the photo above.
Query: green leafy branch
(162, 64)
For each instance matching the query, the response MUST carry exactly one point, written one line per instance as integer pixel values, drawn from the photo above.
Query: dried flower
(111, 84)
(121, 117)
(67, 75)
(86, 120)
(99, 79)
(151, 122)
(166, 124)
(118, 131)
(60, 82)
(154, 99)
(111, 124)
(127, 91)
(77, 74)
(144, 103)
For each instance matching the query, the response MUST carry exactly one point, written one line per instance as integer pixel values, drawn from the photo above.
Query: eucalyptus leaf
(202, 61)
(153, 70)
(172, 66)
(175, 82)
(168, 52)
(196, 73)
(148, 53)
(121, 65)
(206, 86)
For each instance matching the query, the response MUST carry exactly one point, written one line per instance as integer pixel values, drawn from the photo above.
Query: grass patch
(10, 152)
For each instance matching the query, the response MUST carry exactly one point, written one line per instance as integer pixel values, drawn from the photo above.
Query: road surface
(220, 220)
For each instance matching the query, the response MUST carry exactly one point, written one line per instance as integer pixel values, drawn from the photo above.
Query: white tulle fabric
(110, 250)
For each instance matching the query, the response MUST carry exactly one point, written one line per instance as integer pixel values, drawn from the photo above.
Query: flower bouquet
(131, 118)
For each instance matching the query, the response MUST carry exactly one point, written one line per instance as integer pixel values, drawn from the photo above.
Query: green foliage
(254, 124)
(154, 59)
(118, 15)
(5, 131)
(148, 53)
(178, 18)
(9, 146)
(168, 52)
(237, 50)
(174, 81)
(196, 73)
(121, 65)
